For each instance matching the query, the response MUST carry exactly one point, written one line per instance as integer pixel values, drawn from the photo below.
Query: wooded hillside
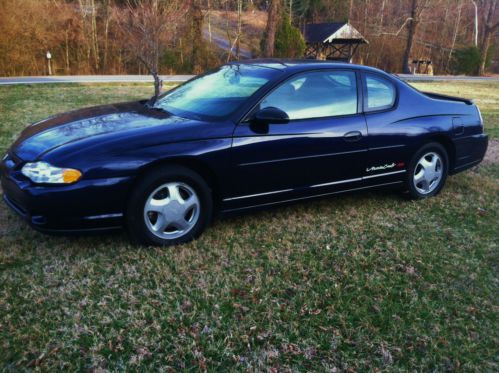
(175, 36)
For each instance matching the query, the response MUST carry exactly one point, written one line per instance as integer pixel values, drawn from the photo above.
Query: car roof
(302, 64)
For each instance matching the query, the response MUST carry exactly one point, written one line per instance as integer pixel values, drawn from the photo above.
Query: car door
(322, 144)
(388, 136)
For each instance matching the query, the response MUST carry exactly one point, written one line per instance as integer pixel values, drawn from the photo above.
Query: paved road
(223, 43)
(183, 78)
(91, 79)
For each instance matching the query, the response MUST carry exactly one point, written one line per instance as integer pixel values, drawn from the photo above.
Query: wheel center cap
(173, 211)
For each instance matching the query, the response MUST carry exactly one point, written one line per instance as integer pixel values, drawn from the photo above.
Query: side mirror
(270, 115)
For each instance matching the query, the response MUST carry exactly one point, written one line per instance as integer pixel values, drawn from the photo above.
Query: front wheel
(427, 171)
(170, 205)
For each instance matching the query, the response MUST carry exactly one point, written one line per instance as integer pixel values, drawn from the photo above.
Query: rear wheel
(427, 171)
(170, 205)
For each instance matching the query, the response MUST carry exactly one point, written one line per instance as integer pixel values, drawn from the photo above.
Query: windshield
(217, 94)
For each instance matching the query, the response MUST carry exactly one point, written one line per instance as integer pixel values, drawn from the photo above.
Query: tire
(431, 162)
(170, 205)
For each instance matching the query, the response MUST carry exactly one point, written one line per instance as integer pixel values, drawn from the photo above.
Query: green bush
(467, 60)
(289, 41)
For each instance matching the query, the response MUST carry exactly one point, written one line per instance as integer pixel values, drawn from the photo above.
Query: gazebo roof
(335, 32)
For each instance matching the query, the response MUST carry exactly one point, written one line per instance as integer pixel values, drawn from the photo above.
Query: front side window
(380, 93)
(315, 94)
(216, 94)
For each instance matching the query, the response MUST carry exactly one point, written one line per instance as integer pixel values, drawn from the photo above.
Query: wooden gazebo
(332, 41)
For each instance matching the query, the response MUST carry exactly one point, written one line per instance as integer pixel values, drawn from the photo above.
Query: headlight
(43, 172)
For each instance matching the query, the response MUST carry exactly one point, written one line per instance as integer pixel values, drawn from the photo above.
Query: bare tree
(271, 29)
(147, 25)
(490, 25)
(196, 18)
(454, 36)
(475, 29)
(208, 16)
(88, 11)
(239, 27)
(417, 8)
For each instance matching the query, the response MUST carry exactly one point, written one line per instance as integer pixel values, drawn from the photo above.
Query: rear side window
(315, 94)
(380, 93)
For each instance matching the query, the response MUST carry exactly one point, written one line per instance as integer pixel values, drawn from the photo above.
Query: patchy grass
(485, 94)
(358, 282)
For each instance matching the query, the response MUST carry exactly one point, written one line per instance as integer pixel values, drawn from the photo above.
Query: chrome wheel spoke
(425, 185)
(174, 193)
(160, 224)
(191, 202)
(419, 176)
(156, 205)
(180, 224)
(425, 163)
(433, 162)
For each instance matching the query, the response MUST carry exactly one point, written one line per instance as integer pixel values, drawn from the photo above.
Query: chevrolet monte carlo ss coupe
(243, 136)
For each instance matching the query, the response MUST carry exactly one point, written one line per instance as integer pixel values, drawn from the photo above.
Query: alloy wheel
(428, 173)
(172, 210)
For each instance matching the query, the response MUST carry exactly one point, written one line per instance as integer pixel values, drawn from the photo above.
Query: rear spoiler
(438, 96)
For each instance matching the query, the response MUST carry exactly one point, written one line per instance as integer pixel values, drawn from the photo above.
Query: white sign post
(49, 57)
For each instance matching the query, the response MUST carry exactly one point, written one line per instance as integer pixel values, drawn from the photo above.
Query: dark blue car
(243, 136)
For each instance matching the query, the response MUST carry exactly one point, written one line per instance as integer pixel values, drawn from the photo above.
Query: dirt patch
(492, 155)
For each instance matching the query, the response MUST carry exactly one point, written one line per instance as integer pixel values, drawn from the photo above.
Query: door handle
(352, 136)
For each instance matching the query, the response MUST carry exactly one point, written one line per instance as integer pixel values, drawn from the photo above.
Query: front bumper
(87, 205)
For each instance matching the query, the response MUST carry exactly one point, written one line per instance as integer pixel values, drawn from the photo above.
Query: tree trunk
(67, 51)
(158, 83)
(95, 42)
(209, 21)
(106, 37)
(489, 31)
(454, 36)
(227, 31)
(239, 27)
(197, 36)
(475, 29)
(484, 50)
(270, 31)
(413, 25)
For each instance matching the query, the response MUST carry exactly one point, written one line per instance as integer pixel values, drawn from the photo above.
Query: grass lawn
(356, 282)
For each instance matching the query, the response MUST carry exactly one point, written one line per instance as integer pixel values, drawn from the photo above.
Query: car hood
(106, 120)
